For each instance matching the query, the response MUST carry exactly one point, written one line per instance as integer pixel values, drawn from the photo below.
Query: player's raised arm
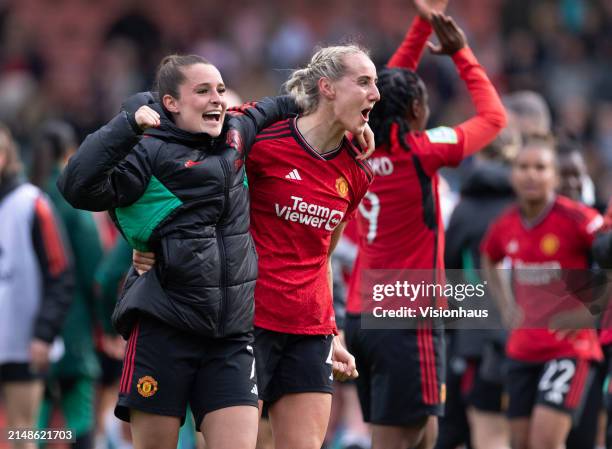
(490, 117)
(410, 51)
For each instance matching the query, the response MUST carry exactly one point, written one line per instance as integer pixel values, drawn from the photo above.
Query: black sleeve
(110, 169)
(255, 117)
(56, 271)
(602, 250)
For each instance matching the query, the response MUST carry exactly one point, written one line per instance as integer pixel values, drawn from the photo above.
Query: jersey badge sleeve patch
(442, 134)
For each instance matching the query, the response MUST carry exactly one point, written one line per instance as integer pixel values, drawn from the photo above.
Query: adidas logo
(294, 174)
(254, 390)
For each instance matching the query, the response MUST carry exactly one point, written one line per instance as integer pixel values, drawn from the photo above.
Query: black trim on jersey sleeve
(427, 195)
(255, 117)
(276, 128)
(273, 137)
(279, 130)
(302, 142)
(57, 285)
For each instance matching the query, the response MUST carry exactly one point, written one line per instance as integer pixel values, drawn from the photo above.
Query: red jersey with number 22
(298, 198)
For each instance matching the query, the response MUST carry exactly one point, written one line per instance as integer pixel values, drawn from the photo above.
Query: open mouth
(214, 116)
(365, 113)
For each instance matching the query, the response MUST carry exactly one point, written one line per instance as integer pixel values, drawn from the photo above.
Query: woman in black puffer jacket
(180, 190)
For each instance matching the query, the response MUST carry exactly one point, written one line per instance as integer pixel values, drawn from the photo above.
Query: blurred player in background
(109, 277)
(576, 184)
(474, 379)
(574, 179)
(71, 381)
(549, 374)
(36, 285)
(530, 111)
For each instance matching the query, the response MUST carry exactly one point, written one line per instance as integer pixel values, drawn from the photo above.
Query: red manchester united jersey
(560, 239)
(298, 198)
(399, 220)
(399, 223)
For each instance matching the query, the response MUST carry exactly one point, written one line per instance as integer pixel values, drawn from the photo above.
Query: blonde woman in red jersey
(400, 228)
(306, 183)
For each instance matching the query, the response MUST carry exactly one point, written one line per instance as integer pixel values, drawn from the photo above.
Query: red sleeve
(56, 271)
(45, 224)
(437, 148)
(410, 51)
(491, 245)
(490, 117)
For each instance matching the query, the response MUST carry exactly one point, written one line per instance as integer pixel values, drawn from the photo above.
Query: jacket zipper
(221, 245)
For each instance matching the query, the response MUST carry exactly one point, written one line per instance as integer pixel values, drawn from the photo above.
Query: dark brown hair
(169, 74)
(53, 141)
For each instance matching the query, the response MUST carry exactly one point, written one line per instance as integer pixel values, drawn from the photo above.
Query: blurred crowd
(77, 59)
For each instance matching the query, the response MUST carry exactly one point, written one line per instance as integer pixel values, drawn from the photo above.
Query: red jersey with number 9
(399, 220)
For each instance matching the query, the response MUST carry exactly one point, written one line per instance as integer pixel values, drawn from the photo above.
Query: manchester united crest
(147, 386)
(549, 244)
(342, 186)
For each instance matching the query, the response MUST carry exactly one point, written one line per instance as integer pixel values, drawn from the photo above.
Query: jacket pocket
(190, 262)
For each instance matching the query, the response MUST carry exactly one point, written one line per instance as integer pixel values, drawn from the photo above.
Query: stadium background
(78, 59)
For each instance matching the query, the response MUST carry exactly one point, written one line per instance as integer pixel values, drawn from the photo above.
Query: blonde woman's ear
(327, 88)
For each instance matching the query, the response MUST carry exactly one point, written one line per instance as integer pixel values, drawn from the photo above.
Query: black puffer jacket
(602, 249)
(486, 192)
(185, 197)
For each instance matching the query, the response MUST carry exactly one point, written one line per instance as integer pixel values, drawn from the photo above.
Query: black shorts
(560, 383)
(401, 372)
(480, 393)
(18, 372)
(165, 369)
(288, 363)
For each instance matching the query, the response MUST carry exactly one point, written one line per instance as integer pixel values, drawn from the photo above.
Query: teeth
(212, 115)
